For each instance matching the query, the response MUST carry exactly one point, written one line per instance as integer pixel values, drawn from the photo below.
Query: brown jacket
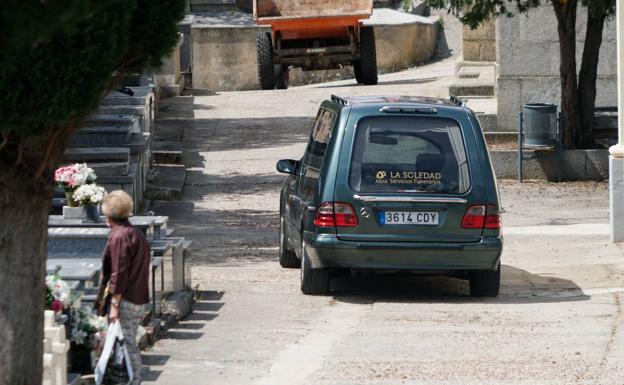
(126, 264)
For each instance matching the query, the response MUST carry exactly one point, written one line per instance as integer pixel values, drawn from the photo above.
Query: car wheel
(485, 283)
(313, 281)
(287, 257)
(368, 56)
(264, 47)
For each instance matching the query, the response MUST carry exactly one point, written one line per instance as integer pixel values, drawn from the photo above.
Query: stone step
(501, 138)
(471, 87)
(166, 182)
(99, 136)
(213, 5)
(488, 122)
(97, 155)
(130, 120)
(167, 152)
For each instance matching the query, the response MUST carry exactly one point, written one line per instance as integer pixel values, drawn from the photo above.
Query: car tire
(281, 76)
(313, 281)
(264, 48)
(287, 258)
(368, 57)
(485, 283)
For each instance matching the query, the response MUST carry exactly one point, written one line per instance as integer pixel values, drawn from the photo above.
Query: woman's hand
(113, 314)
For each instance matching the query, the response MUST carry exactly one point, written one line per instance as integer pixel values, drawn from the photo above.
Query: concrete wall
(528, 62)
(168, 78)
(224, 56)
(576, 164)
(480, 43)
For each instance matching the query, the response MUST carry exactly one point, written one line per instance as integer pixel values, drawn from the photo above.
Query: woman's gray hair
(117, 205)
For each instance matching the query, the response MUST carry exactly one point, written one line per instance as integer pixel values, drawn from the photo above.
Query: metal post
(559, 149)
(520, 140)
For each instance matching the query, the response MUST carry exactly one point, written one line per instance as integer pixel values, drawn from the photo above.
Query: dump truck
(314, 35)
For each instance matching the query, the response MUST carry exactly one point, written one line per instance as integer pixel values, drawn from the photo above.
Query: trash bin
(539, 125)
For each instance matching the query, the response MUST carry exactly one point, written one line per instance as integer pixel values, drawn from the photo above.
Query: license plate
(409, 218)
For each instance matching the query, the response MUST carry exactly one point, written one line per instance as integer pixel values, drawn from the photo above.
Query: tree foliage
(58, 56)
(475, 12)
(578, 88)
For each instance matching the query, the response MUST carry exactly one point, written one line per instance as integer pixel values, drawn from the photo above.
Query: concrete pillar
(616, 159)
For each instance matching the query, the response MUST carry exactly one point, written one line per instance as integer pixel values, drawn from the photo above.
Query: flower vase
(80, 359)
(90, 214)
(69, 195)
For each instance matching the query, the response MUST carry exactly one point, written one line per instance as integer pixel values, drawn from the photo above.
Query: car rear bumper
(327, 251)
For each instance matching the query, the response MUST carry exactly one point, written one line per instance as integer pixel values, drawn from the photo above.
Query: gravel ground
(557, 321)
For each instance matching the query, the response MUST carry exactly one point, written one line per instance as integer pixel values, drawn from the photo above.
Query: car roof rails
(339, 100)
(457, 101)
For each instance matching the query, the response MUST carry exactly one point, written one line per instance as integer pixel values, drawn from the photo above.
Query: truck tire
(357, 71)
(313, 281)
(485, 283)
(281, 76)
(264, 50)
(368, 57)
(287, 258)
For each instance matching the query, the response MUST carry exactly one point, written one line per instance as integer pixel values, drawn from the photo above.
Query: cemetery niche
(111, 151)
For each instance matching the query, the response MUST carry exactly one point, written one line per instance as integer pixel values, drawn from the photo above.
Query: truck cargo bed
(268, 10)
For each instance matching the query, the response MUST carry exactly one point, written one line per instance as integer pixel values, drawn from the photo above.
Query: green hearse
(392, 183)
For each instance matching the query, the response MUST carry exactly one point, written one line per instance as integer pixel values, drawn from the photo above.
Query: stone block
(55, 348)
(596, 164)
(485, 31)
(488, 122)
(72, 212)
(97, 154)
(100, 136)
(110, 168)
(577, 164)
(121, 120)
(224, 58)
(138, 111)
(178, 304)
(616, 198)
(539, 25)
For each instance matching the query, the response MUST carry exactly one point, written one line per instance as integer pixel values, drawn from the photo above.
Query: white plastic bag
(113, 348)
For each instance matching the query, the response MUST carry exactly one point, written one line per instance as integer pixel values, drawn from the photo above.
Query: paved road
(558, 319)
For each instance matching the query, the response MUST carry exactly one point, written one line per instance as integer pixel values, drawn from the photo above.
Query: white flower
(59, 288)
(89, 194)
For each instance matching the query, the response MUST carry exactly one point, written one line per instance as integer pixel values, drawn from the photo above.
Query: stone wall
(528, 62)
(480, 43)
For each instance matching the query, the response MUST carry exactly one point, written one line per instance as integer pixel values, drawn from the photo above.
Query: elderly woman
(125, 275)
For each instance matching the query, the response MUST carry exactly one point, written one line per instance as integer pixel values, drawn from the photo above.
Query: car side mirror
(287, 166)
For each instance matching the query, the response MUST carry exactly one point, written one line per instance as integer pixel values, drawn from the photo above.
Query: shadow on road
(205, 309)
(517, 287)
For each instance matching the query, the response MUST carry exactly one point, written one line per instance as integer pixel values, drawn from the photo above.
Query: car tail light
(324, 216)
(492, 217)
(474, 218)
(338, 214)
(482, 217)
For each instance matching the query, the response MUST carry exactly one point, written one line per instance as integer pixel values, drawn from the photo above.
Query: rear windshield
(409, 154)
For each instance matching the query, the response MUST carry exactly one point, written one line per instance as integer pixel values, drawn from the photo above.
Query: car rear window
(409, 154)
